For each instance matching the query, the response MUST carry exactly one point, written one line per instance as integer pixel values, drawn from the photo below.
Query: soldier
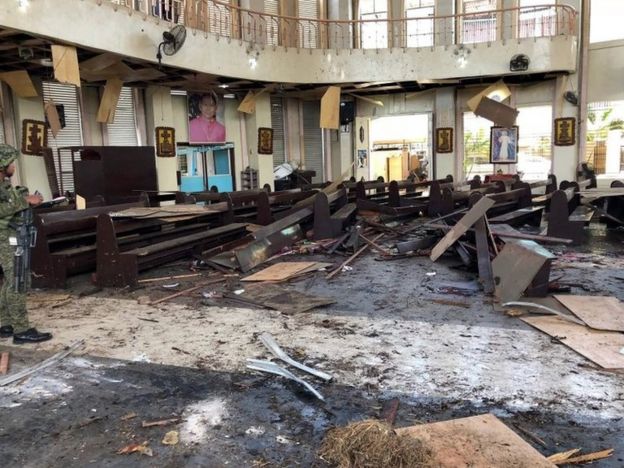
(13, 315)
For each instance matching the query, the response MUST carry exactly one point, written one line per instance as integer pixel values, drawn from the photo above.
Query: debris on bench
(279, 298)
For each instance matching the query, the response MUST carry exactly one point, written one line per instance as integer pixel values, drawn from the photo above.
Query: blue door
(222, 177)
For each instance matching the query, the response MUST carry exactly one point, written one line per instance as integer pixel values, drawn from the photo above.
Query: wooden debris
(561, 456)
(351, 258)
(128, 416)
(4, 363)
(451, 303)
(462, 226)
(143, 449)
(375, 246)
(389, 411)
(171, 438)
(589, 457)
(531, 436)
(279, 298)
(187, 291)
(279, 271)
(598, 312)
(165, 278)
(161, 422)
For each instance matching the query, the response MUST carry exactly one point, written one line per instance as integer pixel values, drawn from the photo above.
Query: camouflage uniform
(12, 304)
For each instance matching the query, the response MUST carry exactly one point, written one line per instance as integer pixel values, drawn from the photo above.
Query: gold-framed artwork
(265, 140)
(34, 137)
(444, 140)
(165, 142)
(565, 131)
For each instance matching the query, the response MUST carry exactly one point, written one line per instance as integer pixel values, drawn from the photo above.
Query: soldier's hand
(34, 200)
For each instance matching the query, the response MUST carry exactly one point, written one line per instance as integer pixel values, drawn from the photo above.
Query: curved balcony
(235, 42)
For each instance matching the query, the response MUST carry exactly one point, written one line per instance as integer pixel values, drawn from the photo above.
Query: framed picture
(565, 131)
(206, 118)
(165, 142)
(504, 145)
(34, 137)
(444, 140)
(265, 140)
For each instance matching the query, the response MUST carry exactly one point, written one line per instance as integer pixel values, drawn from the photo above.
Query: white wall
(606, 71)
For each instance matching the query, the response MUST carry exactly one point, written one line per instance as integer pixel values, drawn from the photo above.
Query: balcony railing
(225, 20)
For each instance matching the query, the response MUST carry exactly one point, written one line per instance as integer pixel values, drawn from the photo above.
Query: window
(535, 142)
(271, 23)
(374, 33)
(123, 131)
(308, 33)
(476, 146)
(605, 123)
(537, 19)
(277, 123)
(479, 21)
(605, 20)
(70, 135)
(419, 32)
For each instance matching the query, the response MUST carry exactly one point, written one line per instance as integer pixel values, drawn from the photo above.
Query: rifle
(26, 234)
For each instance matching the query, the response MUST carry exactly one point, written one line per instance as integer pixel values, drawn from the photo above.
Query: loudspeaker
(347, 112)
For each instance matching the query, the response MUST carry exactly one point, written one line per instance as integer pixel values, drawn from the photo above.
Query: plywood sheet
(496, 112)
(601, 347)
(278, 298)
(476, 442)
(99, 62)
(516, 266)
(330, 108)
(279, 271)
(20, 82)
(65, 60)
(599, 312)
(108, 104)
(462, 226)
(53, 117)
(498, 90)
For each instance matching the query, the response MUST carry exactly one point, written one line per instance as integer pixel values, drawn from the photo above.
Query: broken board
(279, 298)
(477, 441)
(516, 266)
(600, 347)
(462, 226)
(280, 271)
(598, 312)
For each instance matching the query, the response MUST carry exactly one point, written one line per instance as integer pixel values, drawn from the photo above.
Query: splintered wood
(285, 270)
(481, 441)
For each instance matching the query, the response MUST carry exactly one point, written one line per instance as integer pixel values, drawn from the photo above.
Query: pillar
(32, 172)
(444, 115)
(339, 36)
(263, 163)
(159, 113)
(444, 29)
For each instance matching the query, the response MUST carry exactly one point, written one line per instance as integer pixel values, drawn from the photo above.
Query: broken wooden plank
(375, 246)
(482, 441)
(483, 256)
(279, 271)
(601, 347)
(187, 291)
(161, 422)
(598, 312)
(262, 249)
(278, 298)
(516, 266)
(4, 363)
(511, 233)
(351, 258)
(462, 226)
(589, 457)
(559, 457)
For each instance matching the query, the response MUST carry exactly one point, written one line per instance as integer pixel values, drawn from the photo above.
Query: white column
(159, 113)
(445, 163)
(444, 28)
(263, 163)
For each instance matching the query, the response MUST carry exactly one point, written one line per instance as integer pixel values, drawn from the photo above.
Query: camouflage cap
(8, 154)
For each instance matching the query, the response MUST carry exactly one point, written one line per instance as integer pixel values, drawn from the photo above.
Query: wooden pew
(120, 257)
(515, 207)
(66, 244)
(326, 224)
(567, 219)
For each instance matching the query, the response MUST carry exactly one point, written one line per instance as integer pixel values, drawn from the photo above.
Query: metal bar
(271, 344)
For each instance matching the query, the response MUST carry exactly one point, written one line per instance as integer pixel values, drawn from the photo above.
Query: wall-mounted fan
(172, 41)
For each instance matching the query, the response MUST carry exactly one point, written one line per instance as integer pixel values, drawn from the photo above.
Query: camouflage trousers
(12, 304)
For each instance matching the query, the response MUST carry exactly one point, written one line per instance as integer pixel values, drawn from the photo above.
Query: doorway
(400, 146)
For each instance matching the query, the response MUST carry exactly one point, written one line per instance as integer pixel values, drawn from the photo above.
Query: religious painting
(444, 140)
(565, 131)
(362, 158)
(206, 118)
(504, 145)
(265, 140)
(165, 142)
(34, 137)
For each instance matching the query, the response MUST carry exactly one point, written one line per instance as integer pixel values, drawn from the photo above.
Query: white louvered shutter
(308, 36)
(71, 135)
(272, 23)
(277, 123)
(313, 138)
(123, 131)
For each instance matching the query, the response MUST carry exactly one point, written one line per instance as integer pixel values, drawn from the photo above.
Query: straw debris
(372, 444)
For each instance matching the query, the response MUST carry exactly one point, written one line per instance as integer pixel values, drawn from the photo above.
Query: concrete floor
(384, 338)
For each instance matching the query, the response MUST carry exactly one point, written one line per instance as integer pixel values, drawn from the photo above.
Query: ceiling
(22, 51)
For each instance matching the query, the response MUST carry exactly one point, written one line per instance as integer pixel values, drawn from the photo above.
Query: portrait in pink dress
(204, 124)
